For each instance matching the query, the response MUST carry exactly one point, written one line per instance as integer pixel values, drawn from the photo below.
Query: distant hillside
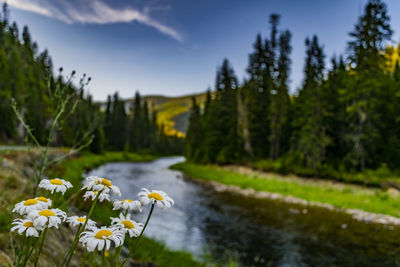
(173, 112)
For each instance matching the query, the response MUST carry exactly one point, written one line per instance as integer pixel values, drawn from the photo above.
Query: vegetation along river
(253, 232)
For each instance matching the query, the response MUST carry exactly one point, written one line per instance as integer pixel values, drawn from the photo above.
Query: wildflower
(76, 220)
(92, 195)
(26, 206)
(101, 238)
(47, 218)
(161, 198)
(127, 204)
(58, 185)
(127, 225)
(44, 200)
(25, 225)
(100, 184)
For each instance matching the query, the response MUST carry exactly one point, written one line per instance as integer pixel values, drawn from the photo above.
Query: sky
(173, 47)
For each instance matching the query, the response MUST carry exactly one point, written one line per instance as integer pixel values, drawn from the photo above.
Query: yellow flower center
(30, 202)
(128, 224)
(95, 192)
(80, 219)
(56, 182)
(156, 196)
(47, 213)
(127, 200)
(106, 182)
(28, 224)
(43, 199)
(103, 233)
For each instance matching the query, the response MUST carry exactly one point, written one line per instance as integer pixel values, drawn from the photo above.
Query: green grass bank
(342, 195)
(149, 250)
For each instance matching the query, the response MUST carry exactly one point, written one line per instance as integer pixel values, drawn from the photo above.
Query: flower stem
(103, 257)
(30, 252)
(41, 245)
(21, 251)
(72, 250)
(75, 240)
(118, 255)
(141, 233)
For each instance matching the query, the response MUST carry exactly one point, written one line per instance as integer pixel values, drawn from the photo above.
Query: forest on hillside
(345, 118)
(27, 77)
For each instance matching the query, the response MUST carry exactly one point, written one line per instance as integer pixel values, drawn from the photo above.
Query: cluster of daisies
(39, 214)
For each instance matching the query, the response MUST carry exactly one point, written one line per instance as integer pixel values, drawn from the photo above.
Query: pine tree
(311, 139)
(136, 133)
(194, 134)
(369, 36)
(222, 142)
(280, 97)
(335, 116)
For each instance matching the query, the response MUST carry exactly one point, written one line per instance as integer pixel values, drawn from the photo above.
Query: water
(225, 226)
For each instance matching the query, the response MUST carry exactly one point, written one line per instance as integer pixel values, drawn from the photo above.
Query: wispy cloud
(92, 11)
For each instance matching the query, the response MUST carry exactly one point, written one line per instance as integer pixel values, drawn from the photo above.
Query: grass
(380, 177)
(149, 249)
(340, 195)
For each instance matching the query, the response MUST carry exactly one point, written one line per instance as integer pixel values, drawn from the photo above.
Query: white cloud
(93, 12)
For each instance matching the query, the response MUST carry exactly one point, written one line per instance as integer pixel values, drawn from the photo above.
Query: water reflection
(255, 232)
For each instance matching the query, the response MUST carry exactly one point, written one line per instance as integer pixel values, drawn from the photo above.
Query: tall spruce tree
(280, 97)
(369, 36)
(194, 134)
(311, 139)
(222, 142)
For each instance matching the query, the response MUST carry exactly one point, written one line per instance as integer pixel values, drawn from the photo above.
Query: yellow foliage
(392, 55)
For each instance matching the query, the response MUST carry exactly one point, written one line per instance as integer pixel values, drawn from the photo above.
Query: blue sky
(173, 47)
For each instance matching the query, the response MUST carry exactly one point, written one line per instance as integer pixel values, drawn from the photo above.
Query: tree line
(27, 76)
(344, 117)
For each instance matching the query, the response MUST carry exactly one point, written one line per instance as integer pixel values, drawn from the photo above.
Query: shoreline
(222, 186)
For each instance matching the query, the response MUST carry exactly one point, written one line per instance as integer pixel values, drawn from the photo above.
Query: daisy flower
(127, 204)
(56, 184)
(92, 195)
(47, 218)
(102, 237)
(161, 198)
(45, 201)
(100, 184)
(26, 206)
(74, 221)
(24, 225)
(127, 225)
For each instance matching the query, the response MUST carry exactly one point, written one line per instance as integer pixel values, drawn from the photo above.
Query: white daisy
(76, 220)
(92, 195)
(127, 225)
(56, 184)
(25, 226)
(127, 204)
(101, 238)
(26, 206)
(45, 201)
(47, 218)
(100, 184)
(161, 198)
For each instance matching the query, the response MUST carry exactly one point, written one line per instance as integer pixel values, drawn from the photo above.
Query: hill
(172, 112)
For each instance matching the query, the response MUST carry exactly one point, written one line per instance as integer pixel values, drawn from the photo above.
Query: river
(253, 232)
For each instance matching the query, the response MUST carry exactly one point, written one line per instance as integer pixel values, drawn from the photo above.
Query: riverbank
(15, 173)
(352, 198)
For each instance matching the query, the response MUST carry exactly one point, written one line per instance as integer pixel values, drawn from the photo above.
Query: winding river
(253, 232)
